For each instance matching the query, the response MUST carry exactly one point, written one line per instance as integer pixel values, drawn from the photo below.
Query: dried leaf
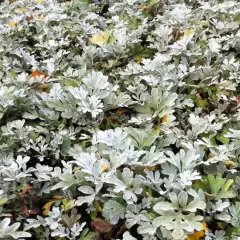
(36, 73)
(21, 9)
(101, 226)
(165, 118)
(57, 197)
(22, 195)
(210, 155)
(47, 207)
(25, 189)
(198, 234)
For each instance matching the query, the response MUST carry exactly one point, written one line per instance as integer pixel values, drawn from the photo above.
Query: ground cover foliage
(119, 119)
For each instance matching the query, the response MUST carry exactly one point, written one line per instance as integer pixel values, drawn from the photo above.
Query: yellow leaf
(189, 32)
(198, 234)
(66, 201)
(106, 35)
(97, 206)
(97, 38)
(153, 168)
(100, 38)
(165, 118)
(158, 129)
(75, 169)
(3, 200)
(99, 209)
(41, 1)
(21, 9)
(204, 226)
(104, 167)
(149, 192)
(229, 162)
(47, 207)
(67, 204)
(12, 23)
(40, 18)
(138, 58)
(143, 7)
(220, 225)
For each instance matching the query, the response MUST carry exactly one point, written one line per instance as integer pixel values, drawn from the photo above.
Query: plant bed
(119, 119)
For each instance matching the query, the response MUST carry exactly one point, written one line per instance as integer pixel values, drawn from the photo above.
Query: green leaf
(231, 230)
(216, 183)
(220, 187)
(222, 138)
(190, 96)
(152, 2)
(224, 193)
(87, 235)
(93, 214)
(202, 102)
(202, 184)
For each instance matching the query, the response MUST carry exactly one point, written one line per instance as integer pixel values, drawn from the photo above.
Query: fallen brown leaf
(101, 226)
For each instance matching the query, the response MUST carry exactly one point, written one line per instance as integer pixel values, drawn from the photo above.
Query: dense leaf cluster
(120, 119)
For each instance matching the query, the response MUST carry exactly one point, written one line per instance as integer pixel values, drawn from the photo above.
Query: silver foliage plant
(123, 114)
